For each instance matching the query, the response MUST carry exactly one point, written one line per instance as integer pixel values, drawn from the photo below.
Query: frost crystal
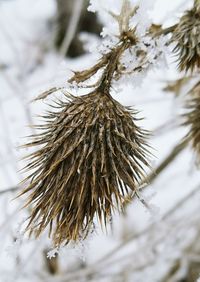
(52, 253)
(133, 15)
(141, 19)
(138, 60)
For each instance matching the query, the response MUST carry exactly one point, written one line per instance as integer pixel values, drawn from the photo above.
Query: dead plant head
(91, 153)
(187, 37)
(192, 118)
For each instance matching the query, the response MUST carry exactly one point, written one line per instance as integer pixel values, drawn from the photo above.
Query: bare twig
(168, 160)
(164, 128)
(156, 172)
(72, 27)
(9, 190)
(47, 93)
(166, 31)
(86, 74)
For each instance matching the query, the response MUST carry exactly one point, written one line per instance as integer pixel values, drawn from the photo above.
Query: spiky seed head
(91, 155)
(193, 120)
(187, 38)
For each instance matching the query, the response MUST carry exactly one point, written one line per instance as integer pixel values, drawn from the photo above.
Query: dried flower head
(91, 155)
(187, 38)
(193, 119)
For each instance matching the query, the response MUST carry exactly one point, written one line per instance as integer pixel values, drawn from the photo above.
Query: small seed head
(187, 39)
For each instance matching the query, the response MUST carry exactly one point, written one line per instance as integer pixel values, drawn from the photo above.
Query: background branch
(72, 26)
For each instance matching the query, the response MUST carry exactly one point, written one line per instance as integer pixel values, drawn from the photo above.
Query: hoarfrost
(52, 253)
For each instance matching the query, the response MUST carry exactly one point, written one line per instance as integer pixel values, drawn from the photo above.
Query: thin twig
(164, 128)
(175, 152)
(72, 26)
(80, 76)
(168, 160)
(166, 31)
(9, 190)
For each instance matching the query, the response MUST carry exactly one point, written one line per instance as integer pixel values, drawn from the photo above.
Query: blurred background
(41, 42)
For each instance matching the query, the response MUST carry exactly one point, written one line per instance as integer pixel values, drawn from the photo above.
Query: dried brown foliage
(91, 154)
(187, 38)
(193, 119)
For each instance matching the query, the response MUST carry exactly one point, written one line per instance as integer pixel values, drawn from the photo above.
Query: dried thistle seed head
(193, 120)
(187, 38)
(91, 155)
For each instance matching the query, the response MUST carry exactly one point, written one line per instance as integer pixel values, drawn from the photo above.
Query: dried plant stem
(163, 165)
(9, 190)
(168, 160)
(80, 76)
(52, 265)
(71, 30)
(164, 128)
(111, 67)
(166, 31)
(109, 60)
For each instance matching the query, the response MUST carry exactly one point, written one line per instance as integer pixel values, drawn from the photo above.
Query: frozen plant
(92, 157)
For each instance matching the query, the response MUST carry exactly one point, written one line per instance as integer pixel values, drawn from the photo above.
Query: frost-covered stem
(110, 61)
(72, 27)
(107, 76)
(52, 264)
(127, 40)
(126, 13)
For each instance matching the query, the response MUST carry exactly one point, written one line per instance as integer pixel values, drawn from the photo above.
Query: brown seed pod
(193, 120)
(91, 155)
(187, 38)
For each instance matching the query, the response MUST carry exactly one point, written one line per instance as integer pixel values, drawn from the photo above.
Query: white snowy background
(140, 246)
